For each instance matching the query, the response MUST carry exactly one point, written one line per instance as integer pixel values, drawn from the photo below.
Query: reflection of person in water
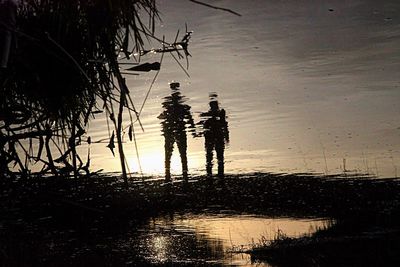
(216, 133)
(175, 117)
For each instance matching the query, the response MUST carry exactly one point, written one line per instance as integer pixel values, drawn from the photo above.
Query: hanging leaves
(41, 145)
(130, 132)
(111, 144)
(112, 117)
(146, 67)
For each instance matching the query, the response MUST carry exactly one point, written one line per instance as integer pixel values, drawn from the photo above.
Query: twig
(137, 152)
(180, 65)
(215, 7)
(151, 86)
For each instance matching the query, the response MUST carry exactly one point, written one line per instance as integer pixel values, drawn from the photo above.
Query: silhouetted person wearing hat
(175, 117)
(216, 134)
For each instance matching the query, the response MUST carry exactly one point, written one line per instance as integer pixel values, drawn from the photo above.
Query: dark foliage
(64, 68)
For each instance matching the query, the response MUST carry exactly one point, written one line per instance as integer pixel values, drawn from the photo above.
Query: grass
(376, 247)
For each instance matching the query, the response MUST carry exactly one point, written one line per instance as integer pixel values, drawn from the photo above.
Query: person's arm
(190, 121)
(225, 125)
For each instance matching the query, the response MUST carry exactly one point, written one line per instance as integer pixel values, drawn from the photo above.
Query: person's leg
(219, 147)
(169, 147)
(182, 147)
(209, 146)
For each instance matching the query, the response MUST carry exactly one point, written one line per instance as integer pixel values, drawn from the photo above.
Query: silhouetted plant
(62, 69)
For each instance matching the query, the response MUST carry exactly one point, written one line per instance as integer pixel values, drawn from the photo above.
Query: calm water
(190, 238)
(308, 87)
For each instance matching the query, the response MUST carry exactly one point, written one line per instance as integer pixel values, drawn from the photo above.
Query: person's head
(213, 101)
(174, 85)
(214, 105)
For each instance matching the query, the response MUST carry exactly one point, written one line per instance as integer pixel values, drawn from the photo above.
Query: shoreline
(36, 211)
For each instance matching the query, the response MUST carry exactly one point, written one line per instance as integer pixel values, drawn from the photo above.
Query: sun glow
(153, 163)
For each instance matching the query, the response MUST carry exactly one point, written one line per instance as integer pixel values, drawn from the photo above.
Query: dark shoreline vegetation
(44, 220)
(67, 68)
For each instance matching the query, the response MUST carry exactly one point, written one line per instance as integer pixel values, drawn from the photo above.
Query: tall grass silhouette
(63, 70)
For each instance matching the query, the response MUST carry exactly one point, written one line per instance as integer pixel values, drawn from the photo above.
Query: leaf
(130, 132)
(146, 67)
(126, 43)
(111, 145)
(41, 144)
(112, 117)
(63, 158)
(87, 161)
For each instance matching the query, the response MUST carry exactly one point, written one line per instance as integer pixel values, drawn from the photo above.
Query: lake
(308, 87)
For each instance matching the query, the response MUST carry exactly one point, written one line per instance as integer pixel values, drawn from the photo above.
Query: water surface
(210, 238)
(308, 86)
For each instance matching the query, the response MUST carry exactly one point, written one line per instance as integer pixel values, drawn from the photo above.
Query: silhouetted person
(216, 134)
(175, 117)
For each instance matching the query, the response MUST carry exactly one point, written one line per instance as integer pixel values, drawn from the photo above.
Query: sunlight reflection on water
(191, 238)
